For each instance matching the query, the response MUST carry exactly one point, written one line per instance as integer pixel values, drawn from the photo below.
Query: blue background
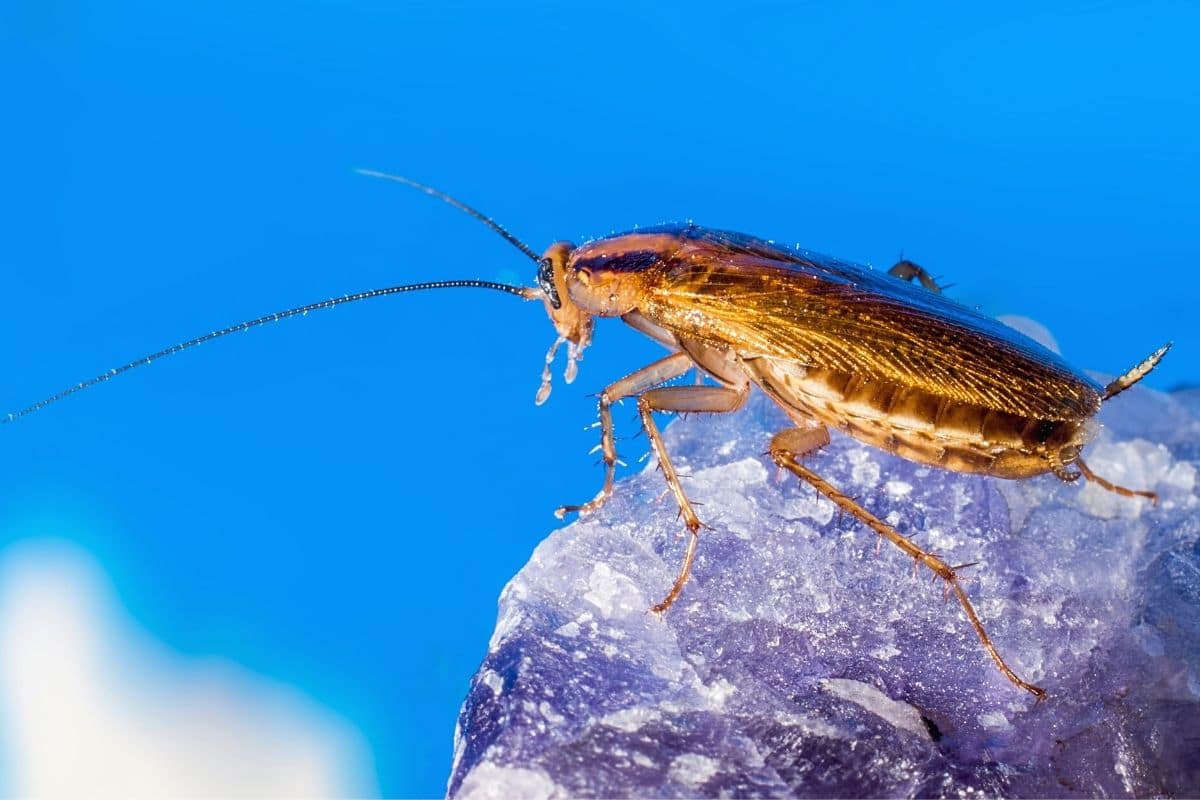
(337, 501)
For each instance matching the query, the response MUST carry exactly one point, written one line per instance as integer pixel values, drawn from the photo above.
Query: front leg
(648, 377)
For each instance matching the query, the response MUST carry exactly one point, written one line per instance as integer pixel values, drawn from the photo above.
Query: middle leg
(703, 399)
(1086, 471)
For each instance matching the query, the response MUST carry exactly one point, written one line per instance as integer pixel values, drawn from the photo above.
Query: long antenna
(254, 323)
(460, 205)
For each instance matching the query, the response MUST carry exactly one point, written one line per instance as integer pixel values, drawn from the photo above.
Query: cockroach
(835, 345)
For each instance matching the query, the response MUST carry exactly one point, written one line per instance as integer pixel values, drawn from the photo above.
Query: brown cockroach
(894, 365)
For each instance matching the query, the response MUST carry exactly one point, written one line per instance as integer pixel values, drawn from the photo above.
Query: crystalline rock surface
(804, 659)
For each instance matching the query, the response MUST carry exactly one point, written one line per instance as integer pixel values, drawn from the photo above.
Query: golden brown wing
(734, 291)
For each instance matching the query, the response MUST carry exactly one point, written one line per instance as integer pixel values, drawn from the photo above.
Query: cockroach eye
(545, 279)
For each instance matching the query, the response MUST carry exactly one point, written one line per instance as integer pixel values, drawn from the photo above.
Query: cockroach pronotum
(893, 364)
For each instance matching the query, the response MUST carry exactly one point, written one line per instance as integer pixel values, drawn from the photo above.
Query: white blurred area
(1033, 329)
(92, 706)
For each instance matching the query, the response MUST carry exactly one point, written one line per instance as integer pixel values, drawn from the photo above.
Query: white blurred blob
(91, 706)
(1031, 328)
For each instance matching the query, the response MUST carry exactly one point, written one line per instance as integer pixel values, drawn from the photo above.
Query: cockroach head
(573, 324)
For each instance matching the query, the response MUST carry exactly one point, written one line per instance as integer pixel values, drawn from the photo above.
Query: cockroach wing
(761, 299)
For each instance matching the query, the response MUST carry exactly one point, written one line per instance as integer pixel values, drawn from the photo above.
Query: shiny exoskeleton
(895, 365)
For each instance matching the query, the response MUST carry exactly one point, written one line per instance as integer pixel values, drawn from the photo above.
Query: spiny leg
(1112, 487)
(907, 270)
(786, 458)
(702, 399)
(660, 371)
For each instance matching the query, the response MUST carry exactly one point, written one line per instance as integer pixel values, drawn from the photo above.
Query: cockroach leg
(1112, 487)
(660, 371)
(907, 270)
(701, 399)
(800, 441)
(787, 458)
(1063, 473)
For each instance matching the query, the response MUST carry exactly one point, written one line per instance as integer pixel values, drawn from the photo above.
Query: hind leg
(784, 452)
(1112, 487)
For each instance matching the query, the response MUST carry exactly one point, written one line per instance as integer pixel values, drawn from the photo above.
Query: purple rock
(803, 659)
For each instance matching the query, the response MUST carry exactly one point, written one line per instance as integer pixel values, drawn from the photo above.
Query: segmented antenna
(460, 205)
(254, 323)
